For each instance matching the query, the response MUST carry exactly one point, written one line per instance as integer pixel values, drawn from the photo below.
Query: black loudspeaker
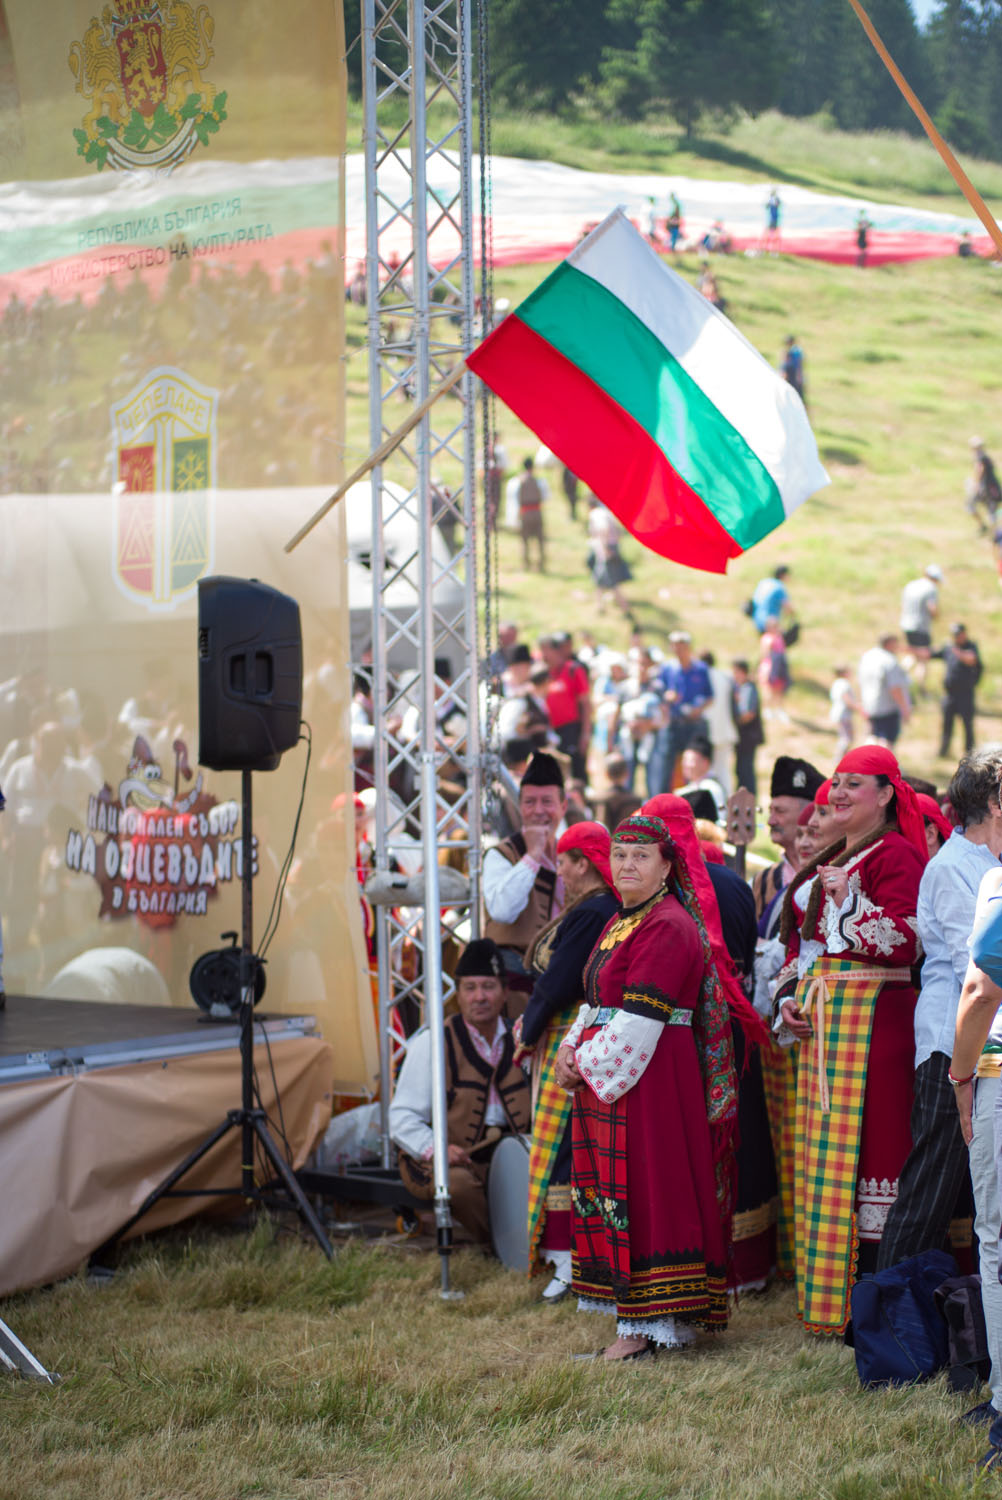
(250, 674)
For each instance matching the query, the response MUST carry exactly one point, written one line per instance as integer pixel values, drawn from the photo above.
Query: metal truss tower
(420, 300)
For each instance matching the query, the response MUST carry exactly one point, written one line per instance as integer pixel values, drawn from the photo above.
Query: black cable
(274, 915)
(280, 1126)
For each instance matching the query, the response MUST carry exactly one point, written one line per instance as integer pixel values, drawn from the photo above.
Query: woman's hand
(835, 882)
(794, 1017)
(565, 1070)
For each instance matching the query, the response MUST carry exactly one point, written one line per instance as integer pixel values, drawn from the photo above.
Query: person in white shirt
(919, 608)
(919, 1218)
(883, 690)
(975, 1078)
(487, 1095)
(522, 889)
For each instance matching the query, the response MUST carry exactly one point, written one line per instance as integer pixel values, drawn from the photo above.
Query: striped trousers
(932, 1178)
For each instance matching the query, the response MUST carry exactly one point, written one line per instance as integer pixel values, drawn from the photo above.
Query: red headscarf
(930, 808)
(875, 760)
(593, 840)
(821, 795)
(678, 815)
(805, 815)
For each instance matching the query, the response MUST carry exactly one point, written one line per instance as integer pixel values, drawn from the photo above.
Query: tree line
(693, 59)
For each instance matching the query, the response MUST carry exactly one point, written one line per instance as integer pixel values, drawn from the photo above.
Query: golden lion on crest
(140, 67)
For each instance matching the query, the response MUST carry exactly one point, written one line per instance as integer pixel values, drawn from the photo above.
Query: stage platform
(99, 1102)
(40, 1037)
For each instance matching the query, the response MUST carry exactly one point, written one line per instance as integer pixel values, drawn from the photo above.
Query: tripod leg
(233, 1118)
(19, 1360)
(303, 1205)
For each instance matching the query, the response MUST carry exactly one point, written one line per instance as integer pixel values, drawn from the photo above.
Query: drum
(508, 1201)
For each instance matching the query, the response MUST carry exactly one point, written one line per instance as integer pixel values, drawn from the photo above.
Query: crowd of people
(791, 1035)
(790, 1038)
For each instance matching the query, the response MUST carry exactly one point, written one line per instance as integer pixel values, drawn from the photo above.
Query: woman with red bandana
(846, 993)
(938, 827)
(651, 1065)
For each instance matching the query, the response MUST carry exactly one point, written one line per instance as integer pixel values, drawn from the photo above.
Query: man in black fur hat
(486, 1094)
(794, 783)
(522, 891)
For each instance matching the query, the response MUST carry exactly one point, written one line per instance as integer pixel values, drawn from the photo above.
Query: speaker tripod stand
(250, 1119)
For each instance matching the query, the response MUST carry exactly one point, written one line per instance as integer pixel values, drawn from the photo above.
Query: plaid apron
(840, 996)
(551, 1113)
(779, 1075)
(601, 1256)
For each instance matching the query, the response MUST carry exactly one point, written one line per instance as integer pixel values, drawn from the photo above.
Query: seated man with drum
(486, 1094)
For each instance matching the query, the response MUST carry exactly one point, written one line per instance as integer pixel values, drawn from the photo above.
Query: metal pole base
(19, 1360)
(443, 1220)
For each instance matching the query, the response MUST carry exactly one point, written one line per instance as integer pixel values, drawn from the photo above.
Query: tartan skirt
(647, 1235)
(853, 1133)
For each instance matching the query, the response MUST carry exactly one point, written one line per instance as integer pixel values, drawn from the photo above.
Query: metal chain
(487, 406)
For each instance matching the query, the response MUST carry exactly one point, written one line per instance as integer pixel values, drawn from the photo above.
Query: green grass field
(226, 1367)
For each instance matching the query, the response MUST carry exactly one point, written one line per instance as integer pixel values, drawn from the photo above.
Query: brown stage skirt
(648, 1240)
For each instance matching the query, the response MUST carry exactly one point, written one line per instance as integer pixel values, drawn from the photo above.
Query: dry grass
(214, 1369)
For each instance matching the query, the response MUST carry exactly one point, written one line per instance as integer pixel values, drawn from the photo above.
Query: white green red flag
(655, 400)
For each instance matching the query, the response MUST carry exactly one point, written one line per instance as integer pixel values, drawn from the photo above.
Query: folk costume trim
(629, 919)
(656, 1005)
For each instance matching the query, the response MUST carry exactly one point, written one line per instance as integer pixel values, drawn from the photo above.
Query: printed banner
(171, 345)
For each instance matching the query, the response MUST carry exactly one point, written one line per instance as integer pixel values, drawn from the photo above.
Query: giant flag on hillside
(654, 399)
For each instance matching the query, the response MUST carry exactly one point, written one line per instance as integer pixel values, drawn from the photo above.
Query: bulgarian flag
(655, 400)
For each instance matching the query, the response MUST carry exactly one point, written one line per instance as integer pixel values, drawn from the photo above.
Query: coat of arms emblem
(164, 438)
(139, 66)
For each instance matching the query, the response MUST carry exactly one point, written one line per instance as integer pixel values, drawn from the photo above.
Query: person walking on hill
(983, 489)
(919, 607)
(963, 673)
(792, 366)
(883, 690)
(771, 599)
(530, 514)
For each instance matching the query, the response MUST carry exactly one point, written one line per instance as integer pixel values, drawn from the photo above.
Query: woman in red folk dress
(651, 1065)
(846, 993)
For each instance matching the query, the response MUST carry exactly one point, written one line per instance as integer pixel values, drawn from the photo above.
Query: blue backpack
(897, 1330)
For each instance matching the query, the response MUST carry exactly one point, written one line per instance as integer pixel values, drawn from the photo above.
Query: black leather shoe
(979, 1416)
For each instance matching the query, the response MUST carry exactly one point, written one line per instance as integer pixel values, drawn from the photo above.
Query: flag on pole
(655, 400)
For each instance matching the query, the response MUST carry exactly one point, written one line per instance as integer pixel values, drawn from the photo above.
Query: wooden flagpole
(385, 448)
(956, 171)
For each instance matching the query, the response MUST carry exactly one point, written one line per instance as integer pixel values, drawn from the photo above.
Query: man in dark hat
(522, 891)
(794, 782)
(486, 1094)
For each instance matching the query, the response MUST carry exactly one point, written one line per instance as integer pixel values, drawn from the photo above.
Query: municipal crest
(139, 67)
(164, 440)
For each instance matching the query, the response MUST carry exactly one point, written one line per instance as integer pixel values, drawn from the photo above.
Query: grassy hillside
(810, 153)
